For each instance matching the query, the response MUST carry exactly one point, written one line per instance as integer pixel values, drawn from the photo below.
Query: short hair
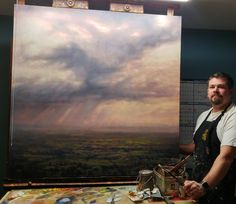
(227, 77)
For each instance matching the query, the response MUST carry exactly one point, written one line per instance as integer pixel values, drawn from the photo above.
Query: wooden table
(77, 195)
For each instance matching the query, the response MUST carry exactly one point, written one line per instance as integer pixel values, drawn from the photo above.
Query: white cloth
(226, 128)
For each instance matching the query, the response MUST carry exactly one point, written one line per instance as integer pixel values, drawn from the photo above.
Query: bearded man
(214, 146)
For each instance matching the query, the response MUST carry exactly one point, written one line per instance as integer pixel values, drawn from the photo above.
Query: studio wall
(205, 52)
(6, 31)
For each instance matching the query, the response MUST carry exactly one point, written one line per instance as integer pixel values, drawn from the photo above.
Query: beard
(216, 99)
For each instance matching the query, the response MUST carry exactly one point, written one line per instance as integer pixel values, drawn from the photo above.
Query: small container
(145, 180)
(166, 183)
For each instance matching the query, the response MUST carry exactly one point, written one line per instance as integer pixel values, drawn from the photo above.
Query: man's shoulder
(203, 115)
(230, 115)
(231, 109)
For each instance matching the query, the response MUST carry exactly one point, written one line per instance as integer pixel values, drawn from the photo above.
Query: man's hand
(193, 189)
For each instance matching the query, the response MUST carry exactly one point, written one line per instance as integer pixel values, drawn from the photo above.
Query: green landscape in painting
(89, 154)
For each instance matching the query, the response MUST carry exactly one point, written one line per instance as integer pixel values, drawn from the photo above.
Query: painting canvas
(94, 93)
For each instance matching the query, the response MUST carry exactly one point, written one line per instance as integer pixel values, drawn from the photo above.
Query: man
(214, 147)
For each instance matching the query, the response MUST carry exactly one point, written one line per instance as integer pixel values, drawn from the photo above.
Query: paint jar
(145, 180)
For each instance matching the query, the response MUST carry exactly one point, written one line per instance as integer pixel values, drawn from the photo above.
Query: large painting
(95, 94)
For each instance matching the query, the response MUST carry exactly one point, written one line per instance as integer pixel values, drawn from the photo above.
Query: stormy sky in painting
(84, 69)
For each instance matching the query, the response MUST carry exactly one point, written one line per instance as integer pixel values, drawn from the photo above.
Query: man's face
(219, 93)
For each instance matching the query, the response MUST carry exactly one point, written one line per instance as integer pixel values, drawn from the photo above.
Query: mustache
(216, 95)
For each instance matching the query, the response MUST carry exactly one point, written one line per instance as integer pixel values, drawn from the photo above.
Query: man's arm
(187, 148)
(221, 165)
(217, 172)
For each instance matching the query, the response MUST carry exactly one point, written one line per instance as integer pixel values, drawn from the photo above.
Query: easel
(131, 6)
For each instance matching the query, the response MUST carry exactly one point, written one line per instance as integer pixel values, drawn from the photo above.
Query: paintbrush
(180, 164)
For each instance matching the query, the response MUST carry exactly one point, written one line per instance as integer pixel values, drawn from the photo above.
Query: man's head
(220, 90)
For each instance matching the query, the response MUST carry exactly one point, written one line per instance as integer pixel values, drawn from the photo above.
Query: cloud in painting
(108, 57)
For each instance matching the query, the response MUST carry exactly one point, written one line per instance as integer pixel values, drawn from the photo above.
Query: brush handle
(180, 164)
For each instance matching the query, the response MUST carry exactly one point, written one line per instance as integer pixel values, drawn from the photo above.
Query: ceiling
(196, 14)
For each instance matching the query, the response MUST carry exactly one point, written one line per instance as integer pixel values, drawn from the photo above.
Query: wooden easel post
(20, 2)
(170, 11)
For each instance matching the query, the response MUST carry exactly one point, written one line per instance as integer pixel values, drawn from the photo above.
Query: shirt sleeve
(229, 131)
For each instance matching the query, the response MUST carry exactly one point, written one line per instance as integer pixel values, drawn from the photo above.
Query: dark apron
(207, 148)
